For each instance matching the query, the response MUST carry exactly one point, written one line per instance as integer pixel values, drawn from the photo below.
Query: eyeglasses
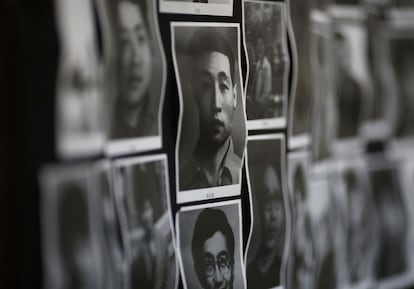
(222, 262)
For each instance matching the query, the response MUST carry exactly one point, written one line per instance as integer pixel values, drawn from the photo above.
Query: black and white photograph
(356, 224)
(301, 267)
(265, 42)
(71, 244)
(300, 97)
(114, 262)
(137, 73)
(398, 37)
(212, 123)
(323, 110)
(142, 198)
(353, 95)
(210, 246)
(78, 107)
(267, 244)
(197, 7)
(392, 263)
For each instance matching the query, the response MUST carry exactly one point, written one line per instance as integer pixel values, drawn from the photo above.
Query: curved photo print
(212, 124)
(137, 73)
(79, 100)
(72, 246)
(266, 249)
(197, 7)
(142, 198)
(210, 245)
(300, 97)
(269, 65)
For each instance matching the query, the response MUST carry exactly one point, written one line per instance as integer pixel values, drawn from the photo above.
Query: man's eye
(223, 262)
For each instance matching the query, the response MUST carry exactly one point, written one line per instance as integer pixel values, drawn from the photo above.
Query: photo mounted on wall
(210, 244)
(353, 96)
(300, 97)
(392, 264)
(301, 266)
(323, 111)
(142, 198)
(72, 248)
(79, 102)
(268, 61)
(212, 124)
(355, 224)
(197, 7)
(267, 245)
(399, 60)
(137, 75)
(108, 218)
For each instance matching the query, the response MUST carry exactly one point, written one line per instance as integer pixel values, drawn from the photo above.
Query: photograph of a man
(138, 71)
(212, 139)
(266, 245)
(147, 235)
(268, 62)
(210, 248)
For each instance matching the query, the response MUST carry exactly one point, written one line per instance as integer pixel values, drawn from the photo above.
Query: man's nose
(135, 51)
(216, 98)
(218, 277)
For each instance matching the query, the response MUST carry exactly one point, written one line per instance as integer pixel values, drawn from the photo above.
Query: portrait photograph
(267, 245)
(210, 246)
(79, 103)
(142, 199)
(353, 92)
(197, 7)
(109, 225)
(300, 97)
(135, 76)
(301, 268)
(398, 37)
(212, 123)
(393, 219)
(269, 63)
(72, 249)
(356, 224)
(322, 112)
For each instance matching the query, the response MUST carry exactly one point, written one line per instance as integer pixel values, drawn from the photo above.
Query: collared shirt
(193, 176)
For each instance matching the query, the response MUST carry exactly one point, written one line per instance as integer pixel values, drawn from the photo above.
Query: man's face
(272, 210)
(147, 215)
(215, 97)
(135, 53)
(215, 270)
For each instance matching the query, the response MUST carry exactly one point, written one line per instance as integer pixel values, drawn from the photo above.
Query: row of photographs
(109, 225)
(112, 99)
(354, 73)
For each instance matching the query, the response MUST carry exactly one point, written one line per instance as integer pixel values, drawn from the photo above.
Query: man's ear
(234, 96)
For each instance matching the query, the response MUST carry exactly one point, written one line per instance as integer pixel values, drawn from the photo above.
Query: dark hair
(208, 39)
(208, 222)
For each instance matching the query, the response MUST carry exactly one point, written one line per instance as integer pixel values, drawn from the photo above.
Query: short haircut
(208, 39)
(208, 222)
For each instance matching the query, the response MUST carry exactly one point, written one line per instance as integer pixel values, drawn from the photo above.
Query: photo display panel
(212, 125)
(269, 199)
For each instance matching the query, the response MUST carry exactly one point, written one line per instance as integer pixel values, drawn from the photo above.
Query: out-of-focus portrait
(142, 200)
(265, 253)
(269, 64)
(137, 74)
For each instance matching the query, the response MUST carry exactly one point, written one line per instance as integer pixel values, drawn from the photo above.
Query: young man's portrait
(212, 135)
(137, 71)
(267, 240)
(210, 246)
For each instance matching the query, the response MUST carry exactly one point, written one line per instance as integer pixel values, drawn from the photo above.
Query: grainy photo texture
(265, 161)
(142, 200)
(212, 129)
(269, 64)
(198, 7)
(210, 244)
(78, 95)
(138, 76)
